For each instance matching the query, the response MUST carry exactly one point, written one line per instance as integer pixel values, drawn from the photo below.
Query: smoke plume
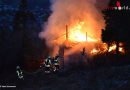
(87, 13)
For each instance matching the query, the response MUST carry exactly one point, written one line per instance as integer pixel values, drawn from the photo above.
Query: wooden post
(86, 36)
(67, 32)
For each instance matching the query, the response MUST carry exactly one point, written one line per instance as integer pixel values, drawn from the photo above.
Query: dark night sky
(32, 3)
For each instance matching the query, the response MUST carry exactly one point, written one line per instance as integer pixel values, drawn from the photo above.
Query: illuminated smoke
(86, 13)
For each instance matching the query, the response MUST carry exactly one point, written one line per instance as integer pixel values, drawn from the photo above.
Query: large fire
(78, 34)
(85, 21)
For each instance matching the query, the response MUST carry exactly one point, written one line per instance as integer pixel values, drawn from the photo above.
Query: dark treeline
(21, 44)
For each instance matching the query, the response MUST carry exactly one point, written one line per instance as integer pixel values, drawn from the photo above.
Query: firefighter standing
(48, 64)
(56, 63)
(19, 72)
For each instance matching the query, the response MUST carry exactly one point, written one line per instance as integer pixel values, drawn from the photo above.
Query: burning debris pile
(83, 20)
(105, 48)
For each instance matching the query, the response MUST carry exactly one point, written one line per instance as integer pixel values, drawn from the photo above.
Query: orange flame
(112, 48)
(105, 49)
(78, 34)
(95, 51)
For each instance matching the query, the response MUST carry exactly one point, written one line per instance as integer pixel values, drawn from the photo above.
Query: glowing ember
(112, 48)
(104, 49)
(95, 51)
(121, 49)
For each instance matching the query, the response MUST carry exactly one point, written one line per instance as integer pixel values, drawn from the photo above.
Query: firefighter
(56, 63)
(48, 64)
(19, 72)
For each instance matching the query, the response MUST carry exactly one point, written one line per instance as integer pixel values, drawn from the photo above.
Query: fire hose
(35, 72)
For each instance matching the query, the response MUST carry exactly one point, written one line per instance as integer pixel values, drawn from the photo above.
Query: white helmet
(17, 67)
(49, 57)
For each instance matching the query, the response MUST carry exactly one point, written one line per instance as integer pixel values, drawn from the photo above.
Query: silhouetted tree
(27, 44)
(117, 25)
